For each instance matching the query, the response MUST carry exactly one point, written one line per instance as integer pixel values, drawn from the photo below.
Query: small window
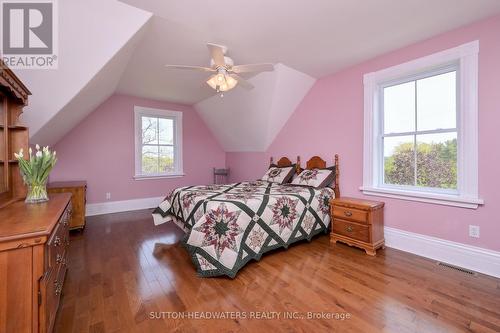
(158, 143)
(420, 129)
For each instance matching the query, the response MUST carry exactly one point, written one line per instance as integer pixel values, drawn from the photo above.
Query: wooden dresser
(33, 249)
(78, 189)
(358, 222)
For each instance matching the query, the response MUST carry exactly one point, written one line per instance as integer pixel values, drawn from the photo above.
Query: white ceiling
(317, 37)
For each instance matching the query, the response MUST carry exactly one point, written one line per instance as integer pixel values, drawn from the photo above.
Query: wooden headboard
(285, 162)
(317, 162)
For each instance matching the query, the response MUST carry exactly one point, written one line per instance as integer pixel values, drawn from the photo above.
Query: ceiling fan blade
(242, 82)
(195, 68)
(252, 68)
(217, 54)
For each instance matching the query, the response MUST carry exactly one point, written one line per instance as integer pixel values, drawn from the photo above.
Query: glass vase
(37, 193)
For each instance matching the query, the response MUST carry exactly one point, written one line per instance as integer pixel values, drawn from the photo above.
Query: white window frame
(464, 59)
(176, 116)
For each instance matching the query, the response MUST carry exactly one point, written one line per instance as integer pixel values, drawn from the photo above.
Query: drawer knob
(347, 213)
(59, 258)
(348, 228)
(57, 241)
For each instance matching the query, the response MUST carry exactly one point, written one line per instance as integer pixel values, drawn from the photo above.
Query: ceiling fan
(225, 74)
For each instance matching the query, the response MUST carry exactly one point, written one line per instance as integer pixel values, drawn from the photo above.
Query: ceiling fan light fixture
(227, 82)
(231, 82)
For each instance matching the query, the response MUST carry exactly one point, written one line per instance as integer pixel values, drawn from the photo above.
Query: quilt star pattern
(229, 225)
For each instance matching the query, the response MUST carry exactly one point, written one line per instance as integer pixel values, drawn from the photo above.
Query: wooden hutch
(13, 135)
(33, 237)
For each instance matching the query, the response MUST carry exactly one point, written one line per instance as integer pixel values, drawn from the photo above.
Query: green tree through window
(436, 165)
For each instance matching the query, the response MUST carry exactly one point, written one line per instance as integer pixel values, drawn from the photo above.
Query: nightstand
(358, 222)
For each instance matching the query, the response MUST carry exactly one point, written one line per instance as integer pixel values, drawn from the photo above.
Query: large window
(158, 143)
(421, 129)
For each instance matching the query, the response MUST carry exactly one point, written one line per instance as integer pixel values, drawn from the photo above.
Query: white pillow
(315, 178)
(279, 175)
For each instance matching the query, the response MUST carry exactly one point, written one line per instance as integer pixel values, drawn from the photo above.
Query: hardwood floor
(120, 276)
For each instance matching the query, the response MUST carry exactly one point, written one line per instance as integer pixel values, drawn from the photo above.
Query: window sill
(434, 198)
(150, 177)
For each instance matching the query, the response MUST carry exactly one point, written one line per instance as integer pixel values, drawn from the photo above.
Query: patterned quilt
(228, 225)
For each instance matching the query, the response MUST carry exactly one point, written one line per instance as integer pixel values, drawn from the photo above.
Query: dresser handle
(57, 241)
(58, 289)
(59, 258)
(348, 229)
(347, 213)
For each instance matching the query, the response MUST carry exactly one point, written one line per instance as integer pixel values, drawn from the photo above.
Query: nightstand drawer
(352, 230)
(350, 214)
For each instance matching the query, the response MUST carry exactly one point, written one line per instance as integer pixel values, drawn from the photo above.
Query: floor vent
(456, 268)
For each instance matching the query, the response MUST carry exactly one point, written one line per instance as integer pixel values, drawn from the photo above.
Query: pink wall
(330, 120)
(101, 150)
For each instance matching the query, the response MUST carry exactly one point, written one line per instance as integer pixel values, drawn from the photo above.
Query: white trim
(458, 254)
(140, 111)
(149, 177)
(418, 65)
(466, 56)
(434, 198)
(122, 206)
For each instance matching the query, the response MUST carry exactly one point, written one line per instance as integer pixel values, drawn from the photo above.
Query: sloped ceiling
(250, 120)
(96, 91)
(96, 40)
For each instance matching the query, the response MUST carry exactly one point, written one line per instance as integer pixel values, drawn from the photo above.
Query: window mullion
(441, 130)
(141, 148)
(415, 140)
(158, 143)
(174, 141)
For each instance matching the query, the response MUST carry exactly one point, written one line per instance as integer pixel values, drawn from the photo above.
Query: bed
(229, 225)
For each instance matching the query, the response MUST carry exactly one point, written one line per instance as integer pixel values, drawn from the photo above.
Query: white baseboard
(458, 254)
(122, 206)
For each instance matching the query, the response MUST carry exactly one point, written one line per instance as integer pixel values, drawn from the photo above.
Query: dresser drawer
(55, 248)
(350, 214)
(352, 230)
(58, 241)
